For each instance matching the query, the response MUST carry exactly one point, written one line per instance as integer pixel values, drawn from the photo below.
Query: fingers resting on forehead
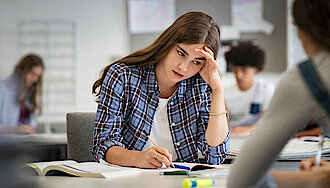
(206, 52)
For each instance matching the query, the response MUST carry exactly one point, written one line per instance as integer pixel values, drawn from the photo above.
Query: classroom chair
(79, 129)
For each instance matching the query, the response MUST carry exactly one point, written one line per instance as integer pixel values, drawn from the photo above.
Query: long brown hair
(25, 65)
(313, 17)
(190, 28)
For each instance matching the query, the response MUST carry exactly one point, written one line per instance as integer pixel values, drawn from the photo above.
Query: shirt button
(178, 144)
(173, 124)
(172, 103)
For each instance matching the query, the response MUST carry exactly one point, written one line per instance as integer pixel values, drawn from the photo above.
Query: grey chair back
(80, 126)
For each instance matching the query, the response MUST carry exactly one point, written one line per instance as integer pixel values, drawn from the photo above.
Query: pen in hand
(319, 151)
(154, 143)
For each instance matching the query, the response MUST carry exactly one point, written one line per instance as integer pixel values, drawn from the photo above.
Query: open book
(84, 169)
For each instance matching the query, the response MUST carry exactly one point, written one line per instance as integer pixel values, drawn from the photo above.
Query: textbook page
(40, 166)
(94, 168)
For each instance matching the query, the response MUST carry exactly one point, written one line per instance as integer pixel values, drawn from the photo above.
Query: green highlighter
(193, 182)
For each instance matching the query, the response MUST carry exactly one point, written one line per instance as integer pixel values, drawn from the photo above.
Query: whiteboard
(150, 16)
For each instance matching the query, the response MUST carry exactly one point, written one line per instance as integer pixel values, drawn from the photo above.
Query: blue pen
(181, 167)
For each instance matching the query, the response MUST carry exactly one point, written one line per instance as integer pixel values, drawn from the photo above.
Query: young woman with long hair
(172, 92)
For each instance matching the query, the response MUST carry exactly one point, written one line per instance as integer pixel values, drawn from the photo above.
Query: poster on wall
(150, 16)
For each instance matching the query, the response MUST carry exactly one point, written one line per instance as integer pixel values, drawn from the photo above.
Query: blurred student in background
(293, 105)
(250, 96)
(20, 96)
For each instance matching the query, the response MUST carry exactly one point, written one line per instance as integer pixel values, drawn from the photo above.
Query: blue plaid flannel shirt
(127, 106)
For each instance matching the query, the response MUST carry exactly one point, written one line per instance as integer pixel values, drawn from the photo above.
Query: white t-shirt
(245, 107)
(160, 129)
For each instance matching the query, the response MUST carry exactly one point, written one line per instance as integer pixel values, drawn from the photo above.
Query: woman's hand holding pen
(309, 164)
(316, 176)
(209, 72)
(154, 157)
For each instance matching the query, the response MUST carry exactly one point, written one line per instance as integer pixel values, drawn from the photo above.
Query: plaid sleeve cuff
(216, 155)
(100, 151)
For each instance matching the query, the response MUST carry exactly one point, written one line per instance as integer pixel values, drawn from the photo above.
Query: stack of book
(296, 149)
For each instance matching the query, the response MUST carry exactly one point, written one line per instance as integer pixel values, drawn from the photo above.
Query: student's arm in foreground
(309, 176)
(289, 109)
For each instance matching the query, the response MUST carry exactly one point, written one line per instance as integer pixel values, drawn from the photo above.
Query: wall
(220, 10)
(274, 12)
(102, 34)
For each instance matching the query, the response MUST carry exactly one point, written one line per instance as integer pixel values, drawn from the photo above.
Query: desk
(44, 138)
(141, 180)
(45, 146)
(144, 180)
(136, 181)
